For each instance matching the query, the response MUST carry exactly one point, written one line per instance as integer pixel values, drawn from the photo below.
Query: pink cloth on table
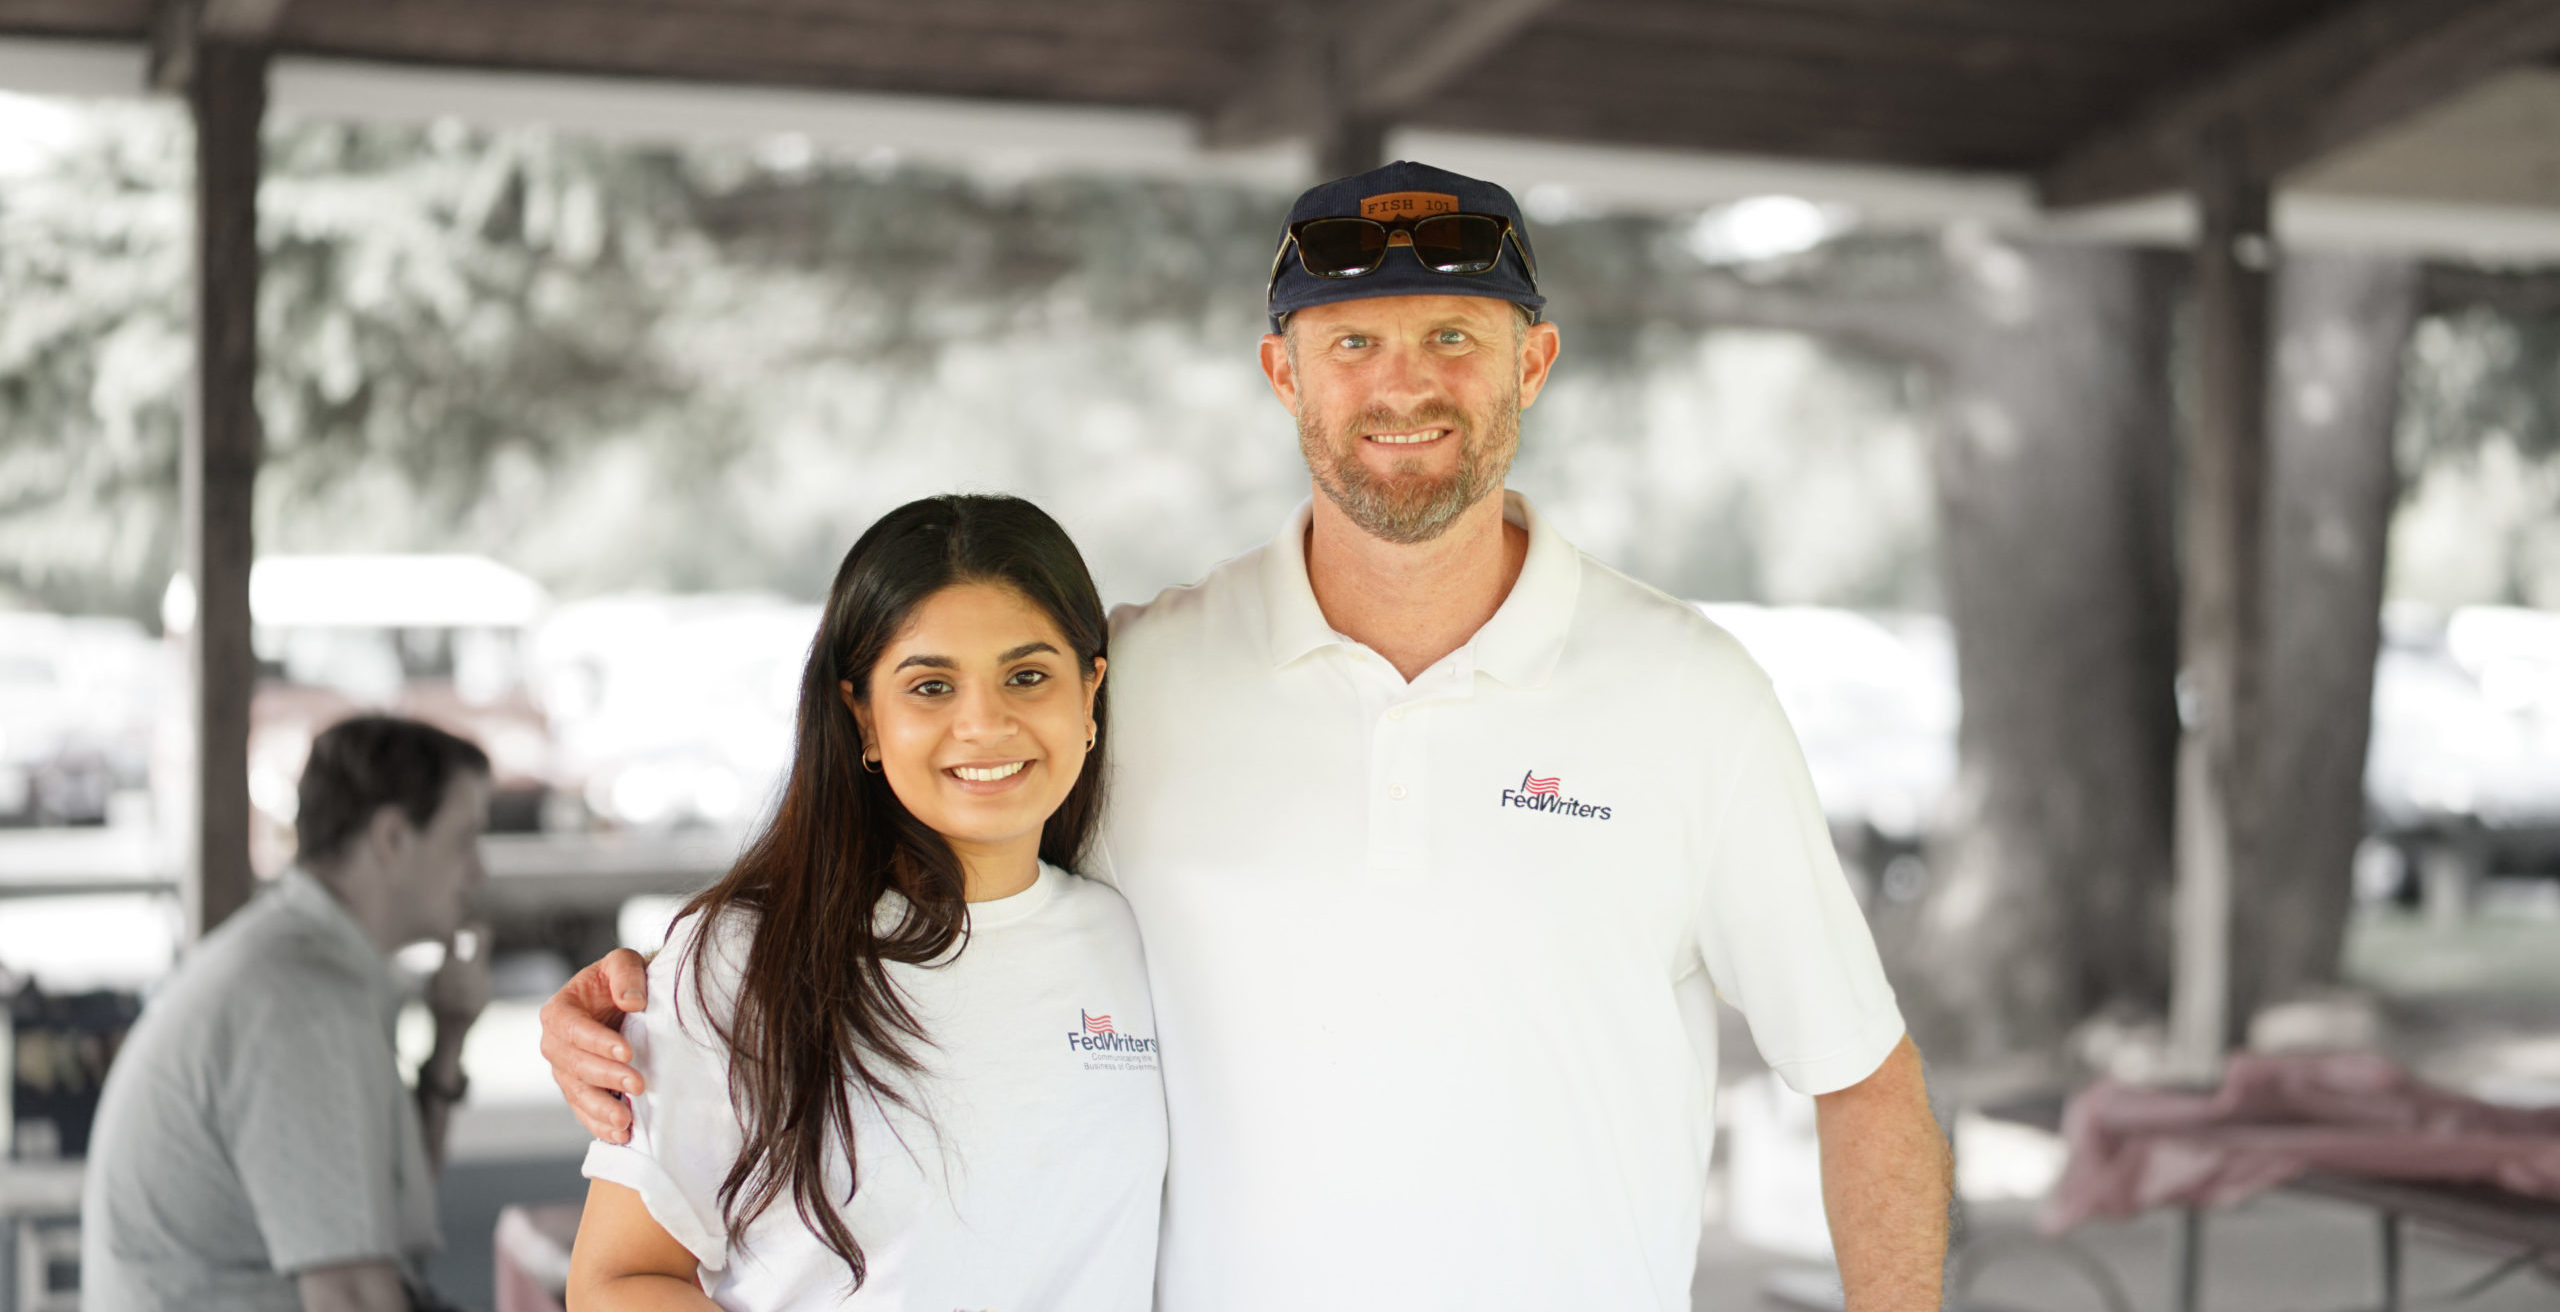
(2278, 1116)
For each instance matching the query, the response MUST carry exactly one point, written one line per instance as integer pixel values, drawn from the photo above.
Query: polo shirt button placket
(1397, 825)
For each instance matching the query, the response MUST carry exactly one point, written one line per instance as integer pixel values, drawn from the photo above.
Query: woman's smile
(988, 778)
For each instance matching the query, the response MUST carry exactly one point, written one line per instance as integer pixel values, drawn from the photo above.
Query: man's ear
(388, 835)
(1281, 370)
(1538, 348)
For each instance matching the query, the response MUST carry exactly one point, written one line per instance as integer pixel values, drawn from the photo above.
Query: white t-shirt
(1031, 1181)
(1420, 951)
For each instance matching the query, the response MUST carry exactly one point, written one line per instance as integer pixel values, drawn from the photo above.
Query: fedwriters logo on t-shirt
(1106, 1048)
(1546, 793)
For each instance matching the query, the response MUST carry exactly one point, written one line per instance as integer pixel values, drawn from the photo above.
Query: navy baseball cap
(1406, 190)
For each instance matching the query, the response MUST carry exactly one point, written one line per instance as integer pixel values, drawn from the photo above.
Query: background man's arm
(368, 1286)
(456, 995)
(1887, 1177)
(441, 1074)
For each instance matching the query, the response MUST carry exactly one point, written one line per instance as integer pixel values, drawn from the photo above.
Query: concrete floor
(2273, 1254)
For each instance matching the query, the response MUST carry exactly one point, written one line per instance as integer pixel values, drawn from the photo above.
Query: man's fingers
(604, 1115)
(578, 1047)
(601, 1072)
(567, 1025)
(627, 972)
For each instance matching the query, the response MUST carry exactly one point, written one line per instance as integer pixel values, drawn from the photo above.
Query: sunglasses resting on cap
(1344, 236)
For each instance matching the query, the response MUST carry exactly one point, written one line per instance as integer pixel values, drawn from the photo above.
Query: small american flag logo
(1537, 787)
(1095, 1024)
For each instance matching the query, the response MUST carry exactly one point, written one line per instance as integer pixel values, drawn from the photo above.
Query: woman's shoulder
(705, 954)
(1090, 902)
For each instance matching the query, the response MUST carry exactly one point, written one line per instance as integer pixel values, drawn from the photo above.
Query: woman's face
(978, 715)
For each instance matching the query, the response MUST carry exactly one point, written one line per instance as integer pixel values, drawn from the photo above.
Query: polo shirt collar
(301, 895)
(1519, 645)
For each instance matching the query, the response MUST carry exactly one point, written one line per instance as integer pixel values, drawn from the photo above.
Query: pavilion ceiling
(2009, 85)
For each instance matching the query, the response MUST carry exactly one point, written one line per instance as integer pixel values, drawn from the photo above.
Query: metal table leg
(2390, 1262)
(2188, 1293)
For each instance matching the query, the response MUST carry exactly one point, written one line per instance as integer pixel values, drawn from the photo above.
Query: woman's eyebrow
(945, 662)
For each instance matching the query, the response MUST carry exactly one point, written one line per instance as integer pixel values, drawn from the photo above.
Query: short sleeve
(311, 1112)
(1782, 938)
(684, 1132)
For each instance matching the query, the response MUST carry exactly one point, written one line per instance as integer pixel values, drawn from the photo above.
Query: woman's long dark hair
(819, 1025)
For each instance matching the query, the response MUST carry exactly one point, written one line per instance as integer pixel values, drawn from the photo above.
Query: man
(1429, 823)
(255, 1147)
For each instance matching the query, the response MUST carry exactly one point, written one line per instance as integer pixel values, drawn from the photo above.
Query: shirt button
(1395, 713)
(1395, 792)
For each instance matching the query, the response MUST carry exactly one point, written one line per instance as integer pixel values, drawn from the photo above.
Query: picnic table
(2522, 1228)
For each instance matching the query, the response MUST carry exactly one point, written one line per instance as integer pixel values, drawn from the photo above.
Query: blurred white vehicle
(77, 697)
(1874, 704)
(436, 637)
(675, 711)
(2465, 753)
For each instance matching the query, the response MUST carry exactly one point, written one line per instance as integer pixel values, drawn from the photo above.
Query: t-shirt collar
(1518, 646)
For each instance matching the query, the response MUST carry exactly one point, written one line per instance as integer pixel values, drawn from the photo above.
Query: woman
(899, 1057)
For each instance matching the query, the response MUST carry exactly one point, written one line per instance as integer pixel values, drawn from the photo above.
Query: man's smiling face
(1408, 407)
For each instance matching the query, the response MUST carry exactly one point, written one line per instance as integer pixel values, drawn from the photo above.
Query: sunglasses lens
(1458, 243)
(1342, 248)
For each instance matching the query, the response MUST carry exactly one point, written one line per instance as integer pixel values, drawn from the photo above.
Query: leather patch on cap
(1408, 205)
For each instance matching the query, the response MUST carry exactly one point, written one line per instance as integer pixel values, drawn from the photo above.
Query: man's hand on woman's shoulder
(581, 1038)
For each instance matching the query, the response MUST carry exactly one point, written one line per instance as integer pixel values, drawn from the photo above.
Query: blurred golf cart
(2462, 782)
(1873, 702)
(674, 712)
(77, 699)
(436, 638)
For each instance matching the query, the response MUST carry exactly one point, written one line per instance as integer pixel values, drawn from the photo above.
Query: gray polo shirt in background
(255, 1124)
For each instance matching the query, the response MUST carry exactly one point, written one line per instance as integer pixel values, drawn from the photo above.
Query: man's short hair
(359, 766)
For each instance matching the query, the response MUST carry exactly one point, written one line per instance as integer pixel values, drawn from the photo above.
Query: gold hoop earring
(1092, 738)
(870, 765)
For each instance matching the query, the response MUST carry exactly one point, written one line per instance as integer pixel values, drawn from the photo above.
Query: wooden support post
(226, 85)
(2225, 495)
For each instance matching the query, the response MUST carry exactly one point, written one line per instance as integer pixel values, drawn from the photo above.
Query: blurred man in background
(256, 1147)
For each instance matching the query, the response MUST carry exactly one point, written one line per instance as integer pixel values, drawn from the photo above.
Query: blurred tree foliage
(487, 292)
(2479, 375)
(710, 367)
(457, 324)
(94, 353)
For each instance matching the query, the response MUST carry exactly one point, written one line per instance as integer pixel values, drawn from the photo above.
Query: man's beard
(1404, 505)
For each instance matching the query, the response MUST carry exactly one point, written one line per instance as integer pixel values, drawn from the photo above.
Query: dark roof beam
(1331, 63)
(2368, 64)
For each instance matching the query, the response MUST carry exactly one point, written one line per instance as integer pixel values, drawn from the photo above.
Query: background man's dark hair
(361, 765)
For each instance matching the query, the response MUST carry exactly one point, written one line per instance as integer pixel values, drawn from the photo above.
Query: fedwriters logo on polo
(1105, 1048)
(1546, 794)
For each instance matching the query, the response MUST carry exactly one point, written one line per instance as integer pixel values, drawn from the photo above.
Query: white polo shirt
(1416, 948)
